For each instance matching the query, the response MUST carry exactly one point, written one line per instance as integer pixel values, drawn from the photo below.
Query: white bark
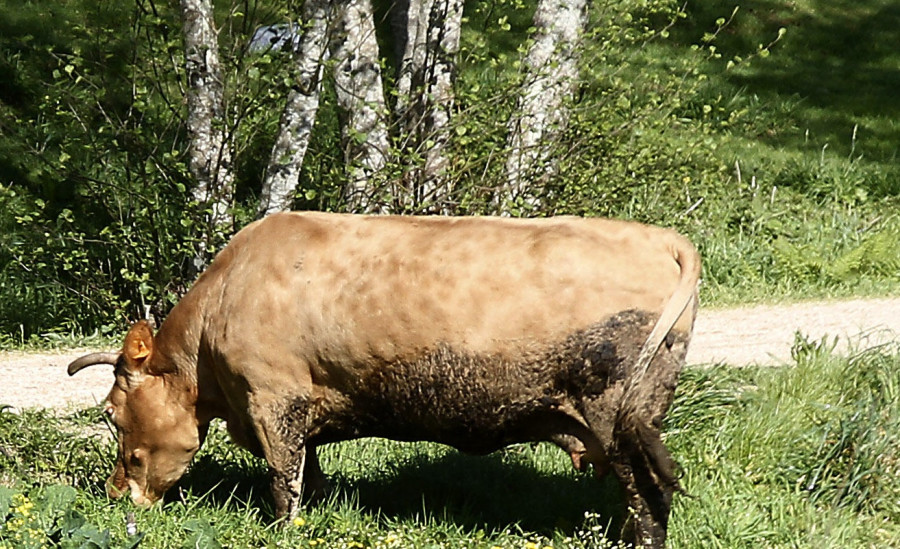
(425, 101)
(299, 116)
(413, 62)
(551, 66)
(360, 93)
(210, 152)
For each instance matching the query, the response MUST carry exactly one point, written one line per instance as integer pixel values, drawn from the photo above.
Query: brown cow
(311, 328)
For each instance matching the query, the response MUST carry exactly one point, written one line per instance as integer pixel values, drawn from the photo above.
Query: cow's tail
(640, 434)
(684, 253)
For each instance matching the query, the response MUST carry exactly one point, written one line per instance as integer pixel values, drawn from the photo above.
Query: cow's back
(358, 290)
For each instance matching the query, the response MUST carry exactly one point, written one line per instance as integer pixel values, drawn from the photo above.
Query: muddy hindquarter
(644, 466)
(627, 418)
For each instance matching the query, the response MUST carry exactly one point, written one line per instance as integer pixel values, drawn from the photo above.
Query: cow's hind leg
(643, 464)
(315, 483)
(646, 471)
(628, 422)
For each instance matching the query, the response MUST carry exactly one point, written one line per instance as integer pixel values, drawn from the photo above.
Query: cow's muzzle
(119, 485)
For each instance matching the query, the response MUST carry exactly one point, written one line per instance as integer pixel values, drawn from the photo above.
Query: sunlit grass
(807, 455)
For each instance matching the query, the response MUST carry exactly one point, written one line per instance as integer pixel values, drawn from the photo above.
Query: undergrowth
(766, 132)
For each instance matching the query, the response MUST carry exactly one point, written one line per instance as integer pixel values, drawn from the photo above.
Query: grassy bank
(801, 456)
(801, 96)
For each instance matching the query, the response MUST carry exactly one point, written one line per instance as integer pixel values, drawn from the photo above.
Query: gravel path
(764, 334)
(740, 337)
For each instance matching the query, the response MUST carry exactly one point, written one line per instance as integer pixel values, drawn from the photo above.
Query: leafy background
(765, 131)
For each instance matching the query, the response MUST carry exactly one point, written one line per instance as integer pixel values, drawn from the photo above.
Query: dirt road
(739, 337)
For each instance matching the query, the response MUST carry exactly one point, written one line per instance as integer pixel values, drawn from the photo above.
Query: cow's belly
(460, 409)
(480, 403)
(478, 421)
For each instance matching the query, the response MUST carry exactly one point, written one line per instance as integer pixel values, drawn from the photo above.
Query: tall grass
(803, 456)
(807, 455)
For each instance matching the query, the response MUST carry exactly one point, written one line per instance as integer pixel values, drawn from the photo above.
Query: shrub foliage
(97, 226)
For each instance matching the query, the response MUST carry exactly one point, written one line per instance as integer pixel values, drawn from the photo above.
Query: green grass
(808, 139)
(834, 71)
(790, 143)
(807, 455)
(60, 340)
(804, 456)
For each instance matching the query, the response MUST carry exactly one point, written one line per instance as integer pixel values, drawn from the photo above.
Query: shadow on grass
(224, 474)
(495, 492)
(838, 65)
(489, 492)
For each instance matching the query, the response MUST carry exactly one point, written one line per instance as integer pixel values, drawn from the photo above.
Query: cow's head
(154, 411)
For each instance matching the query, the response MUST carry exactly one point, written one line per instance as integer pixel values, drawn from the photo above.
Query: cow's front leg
(287, 484)
(282, 428)
(290, 488)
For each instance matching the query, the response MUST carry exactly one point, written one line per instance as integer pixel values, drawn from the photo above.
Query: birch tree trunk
(299, 115)
(210, 152)
(360, 94)
(425, 96)
(551, 66)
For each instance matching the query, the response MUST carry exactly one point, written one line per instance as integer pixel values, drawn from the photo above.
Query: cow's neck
(179, 340)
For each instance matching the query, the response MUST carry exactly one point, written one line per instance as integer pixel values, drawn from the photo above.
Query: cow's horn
(91, 359)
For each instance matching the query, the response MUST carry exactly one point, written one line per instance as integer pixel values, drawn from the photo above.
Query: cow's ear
(138, 346)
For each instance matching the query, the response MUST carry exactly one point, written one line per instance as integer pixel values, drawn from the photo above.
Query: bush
(97, 224)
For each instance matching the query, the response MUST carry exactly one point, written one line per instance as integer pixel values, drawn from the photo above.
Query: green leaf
(134, 541)
(88, 536)
(58, 498)
(71, 521)
(6, 495)
(202, 535)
